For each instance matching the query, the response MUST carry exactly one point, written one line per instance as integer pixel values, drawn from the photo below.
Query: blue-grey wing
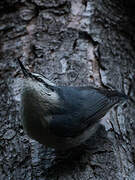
(80, 108)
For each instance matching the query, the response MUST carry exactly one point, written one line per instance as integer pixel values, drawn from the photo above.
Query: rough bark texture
(74, 42)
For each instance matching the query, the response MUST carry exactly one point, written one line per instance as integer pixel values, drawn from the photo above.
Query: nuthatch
(62, 117)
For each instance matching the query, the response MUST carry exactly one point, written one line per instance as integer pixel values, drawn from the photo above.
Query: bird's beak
(24, 70)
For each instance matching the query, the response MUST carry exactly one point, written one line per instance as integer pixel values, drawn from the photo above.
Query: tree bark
(76, 43)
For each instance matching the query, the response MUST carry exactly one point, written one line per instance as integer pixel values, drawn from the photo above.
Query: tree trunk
(77, 43)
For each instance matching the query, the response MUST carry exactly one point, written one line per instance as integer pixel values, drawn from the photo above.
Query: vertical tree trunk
(76, 43)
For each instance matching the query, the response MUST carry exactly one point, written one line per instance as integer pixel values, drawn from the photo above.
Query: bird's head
(37, 86)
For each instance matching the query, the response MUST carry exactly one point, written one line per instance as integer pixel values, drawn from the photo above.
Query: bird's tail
(118, 96)
(115, 96)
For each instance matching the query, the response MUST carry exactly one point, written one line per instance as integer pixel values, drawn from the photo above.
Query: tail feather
(115, 96)
(118, 97)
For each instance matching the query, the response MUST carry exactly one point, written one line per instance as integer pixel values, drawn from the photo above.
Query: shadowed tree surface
(76, 42)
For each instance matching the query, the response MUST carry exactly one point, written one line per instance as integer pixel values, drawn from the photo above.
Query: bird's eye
(40, 80)
(44, 83)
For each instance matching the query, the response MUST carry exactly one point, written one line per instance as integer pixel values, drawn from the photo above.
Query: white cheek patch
(49, 95)
(54, 97)
(40, 92)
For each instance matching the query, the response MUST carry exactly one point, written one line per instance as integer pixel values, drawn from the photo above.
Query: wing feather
(82, 109)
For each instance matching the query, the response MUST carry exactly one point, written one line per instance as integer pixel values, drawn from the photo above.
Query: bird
(62, 117)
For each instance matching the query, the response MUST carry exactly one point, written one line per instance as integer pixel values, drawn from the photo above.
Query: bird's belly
(41, 133)
(37, 131)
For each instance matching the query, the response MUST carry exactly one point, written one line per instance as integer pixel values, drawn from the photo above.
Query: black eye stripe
(43, 82)
(39, 79)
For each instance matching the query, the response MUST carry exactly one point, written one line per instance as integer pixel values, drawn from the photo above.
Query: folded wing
(79, 109)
